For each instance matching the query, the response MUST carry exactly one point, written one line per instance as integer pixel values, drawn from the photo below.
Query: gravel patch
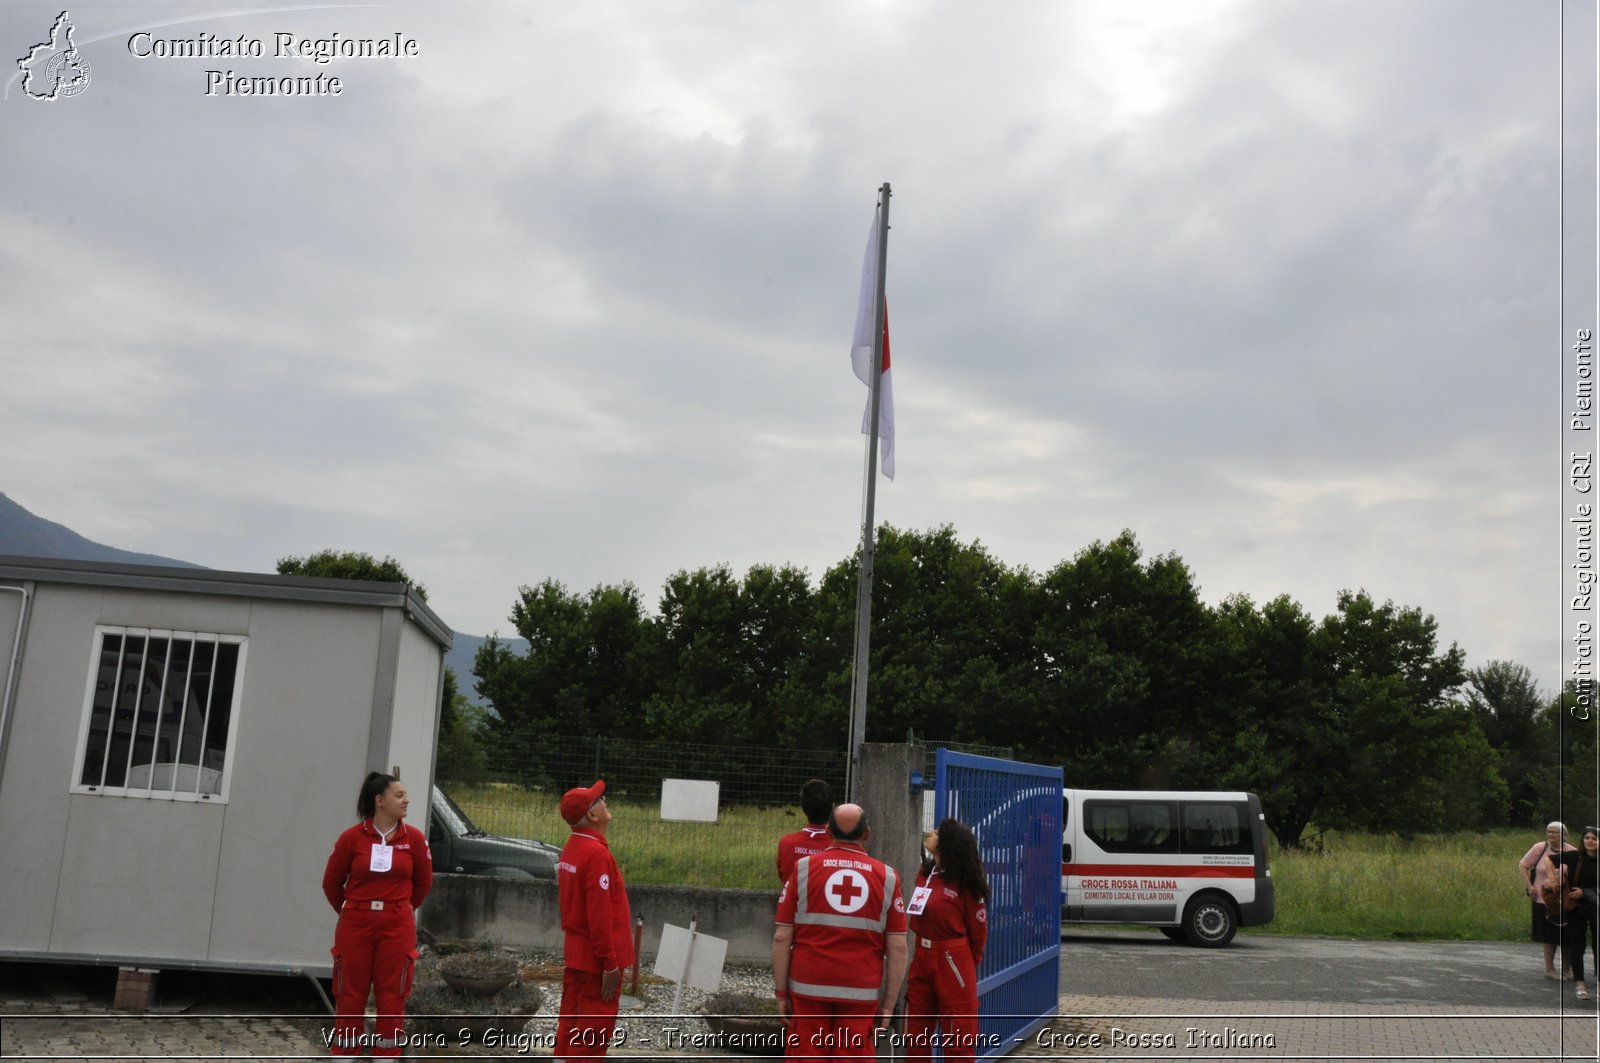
(648, 1023)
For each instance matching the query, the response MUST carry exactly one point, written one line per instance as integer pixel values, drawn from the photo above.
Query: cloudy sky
(569, 293)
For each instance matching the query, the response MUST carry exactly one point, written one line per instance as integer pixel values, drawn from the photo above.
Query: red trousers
(942, 991)
(373, 952)
(584, 1028)
(831, 1029)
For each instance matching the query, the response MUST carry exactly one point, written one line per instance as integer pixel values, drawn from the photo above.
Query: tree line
(1109, 664)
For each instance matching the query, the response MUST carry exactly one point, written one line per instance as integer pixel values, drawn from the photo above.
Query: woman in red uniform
(379, 872)
(949, 922)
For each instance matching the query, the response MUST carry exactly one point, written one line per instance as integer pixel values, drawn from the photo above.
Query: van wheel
(1210, 921)
(1173, 932)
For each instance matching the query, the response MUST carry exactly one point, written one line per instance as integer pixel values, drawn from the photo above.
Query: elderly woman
(1535, 871)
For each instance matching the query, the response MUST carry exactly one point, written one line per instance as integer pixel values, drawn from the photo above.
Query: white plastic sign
(690, 799)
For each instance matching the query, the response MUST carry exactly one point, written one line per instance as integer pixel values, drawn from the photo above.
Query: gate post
(893, 811)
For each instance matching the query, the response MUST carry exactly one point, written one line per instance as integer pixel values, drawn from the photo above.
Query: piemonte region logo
(55, 69)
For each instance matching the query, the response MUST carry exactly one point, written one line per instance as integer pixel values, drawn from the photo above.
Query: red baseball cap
(577, 801)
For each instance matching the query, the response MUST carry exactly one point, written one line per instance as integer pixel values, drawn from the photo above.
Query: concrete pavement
(1091, 1028)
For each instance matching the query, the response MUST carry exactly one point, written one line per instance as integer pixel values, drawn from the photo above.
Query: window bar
(183, 714)
(138, 699)
(111, 713)
(98, 665)
(162, 715)
(205, 715)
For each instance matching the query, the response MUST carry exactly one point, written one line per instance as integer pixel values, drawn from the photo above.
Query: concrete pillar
(894, 813)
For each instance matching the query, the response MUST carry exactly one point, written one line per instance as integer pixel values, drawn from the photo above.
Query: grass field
(1437, 886)
(1457, 886)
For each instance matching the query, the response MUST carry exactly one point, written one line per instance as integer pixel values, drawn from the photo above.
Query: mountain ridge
(27, 534)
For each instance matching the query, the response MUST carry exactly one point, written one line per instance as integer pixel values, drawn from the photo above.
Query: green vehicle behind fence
(460, 847)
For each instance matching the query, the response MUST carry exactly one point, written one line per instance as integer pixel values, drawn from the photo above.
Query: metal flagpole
(858, 700)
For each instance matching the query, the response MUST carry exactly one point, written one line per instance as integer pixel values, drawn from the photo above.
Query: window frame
(1093, 824)
(1236, 811)
(172, 791)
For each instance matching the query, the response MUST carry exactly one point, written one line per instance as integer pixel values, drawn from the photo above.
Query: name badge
(382, 858)
(919, 900)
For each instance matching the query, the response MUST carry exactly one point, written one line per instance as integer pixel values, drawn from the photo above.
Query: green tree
(462, 753)
(705, 691)
(1282, 740)
(725, 652)
(943, 641)
(587, 669)
(349, 564)
(777, 624)
(1504, 699)
(1347, 723)
(1408, 751)
(1574, 723)
(1120, 648)
(936, 664)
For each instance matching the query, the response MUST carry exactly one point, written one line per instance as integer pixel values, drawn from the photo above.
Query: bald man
(839, 951)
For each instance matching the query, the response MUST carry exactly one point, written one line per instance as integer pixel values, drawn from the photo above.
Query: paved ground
(56, 1013)
(1487, 975)
(1096, 1028)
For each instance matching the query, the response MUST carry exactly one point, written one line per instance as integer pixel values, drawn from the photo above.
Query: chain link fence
(516, 791)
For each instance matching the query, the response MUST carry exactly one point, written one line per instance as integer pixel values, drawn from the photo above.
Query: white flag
(861, 354)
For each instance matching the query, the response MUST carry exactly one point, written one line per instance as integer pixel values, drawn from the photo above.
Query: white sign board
(690, 799)
(691, 958)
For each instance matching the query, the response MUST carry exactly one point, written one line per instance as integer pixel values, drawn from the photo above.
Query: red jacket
(594, 905)
(349, 875)
(951, 912)
(812, 838)
(843, 906)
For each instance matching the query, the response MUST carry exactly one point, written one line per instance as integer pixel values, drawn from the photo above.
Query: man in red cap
(597, 924)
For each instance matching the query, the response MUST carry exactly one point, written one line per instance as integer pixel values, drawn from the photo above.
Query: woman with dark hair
(1578, 873)
(379, 872)
(949, 921)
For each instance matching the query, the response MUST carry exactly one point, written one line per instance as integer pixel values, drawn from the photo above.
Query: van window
(1214, 828)
(1132, 826)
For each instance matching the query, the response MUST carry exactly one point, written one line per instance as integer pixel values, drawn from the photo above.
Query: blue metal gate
(1015, 810)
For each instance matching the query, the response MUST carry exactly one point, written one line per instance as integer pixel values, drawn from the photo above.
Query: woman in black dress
(1581, 871)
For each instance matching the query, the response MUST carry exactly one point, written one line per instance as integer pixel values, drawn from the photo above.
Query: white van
(1192, 863)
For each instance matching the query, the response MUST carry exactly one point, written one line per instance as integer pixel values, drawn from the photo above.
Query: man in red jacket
(816, 801)
(839, 951)
(597, 924)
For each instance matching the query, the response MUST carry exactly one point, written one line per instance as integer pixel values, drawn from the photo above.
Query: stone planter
(478, 973)
(743, 1023)
(477, 986)
(436, 1009)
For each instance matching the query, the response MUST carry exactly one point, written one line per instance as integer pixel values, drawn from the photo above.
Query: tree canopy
(349, 564)
(1108, 664)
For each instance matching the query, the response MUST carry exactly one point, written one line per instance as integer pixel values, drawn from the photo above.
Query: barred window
(158, 714)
